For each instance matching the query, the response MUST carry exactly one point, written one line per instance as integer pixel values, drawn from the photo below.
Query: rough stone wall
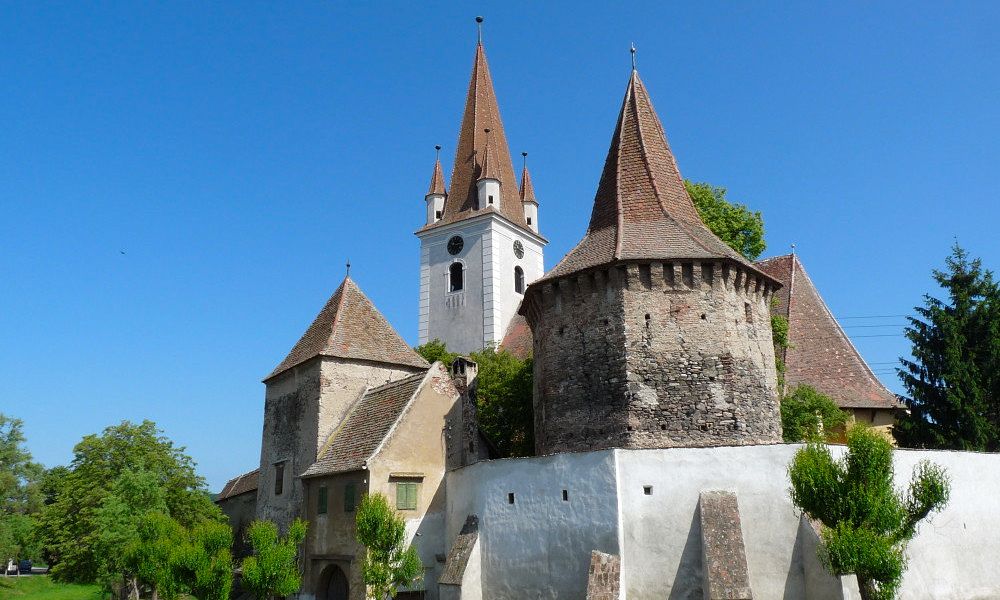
(604, 579)
(723, 556)
(654, 355)
(302, 407)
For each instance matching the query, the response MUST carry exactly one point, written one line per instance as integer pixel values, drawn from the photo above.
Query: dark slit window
(455, 277)
(519, 280)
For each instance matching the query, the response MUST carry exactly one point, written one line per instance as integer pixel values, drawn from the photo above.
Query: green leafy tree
(205, 562)
(20, 493)
(435, 350)
(504, 401)
(807, 415)
(273, 570)
(865, 522)
(68, 523)
(388, 564)
(735, 224)
(953, 381)
(153, 555)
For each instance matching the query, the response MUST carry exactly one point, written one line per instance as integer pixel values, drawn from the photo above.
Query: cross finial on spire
(348, 267)
(632, 50)
(479, 27)
(524, 160)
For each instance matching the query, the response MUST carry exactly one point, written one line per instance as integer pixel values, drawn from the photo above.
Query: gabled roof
(437, 181)
(370, 421)
(349, 326)
(527, 190)
(481, 113)
(241, 484)
(641, 209)
(820, 354)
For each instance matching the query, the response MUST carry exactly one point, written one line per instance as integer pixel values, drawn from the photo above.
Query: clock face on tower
(455, 245)
(518, 249)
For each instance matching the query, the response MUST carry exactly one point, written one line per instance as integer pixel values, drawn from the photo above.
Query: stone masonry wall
(604, 578)
(654, 355)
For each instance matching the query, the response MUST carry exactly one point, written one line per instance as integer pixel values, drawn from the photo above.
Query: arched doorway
(333, 584)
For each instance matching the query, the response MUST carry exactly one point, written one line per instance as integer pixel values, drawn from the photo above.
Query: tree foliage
(388, 564)
(866, 523)
(807, 415)
(504, 401)
(69, 522)
(435, 350)
(953, 381)
(20, 493)
(735, 224)
(273, 569)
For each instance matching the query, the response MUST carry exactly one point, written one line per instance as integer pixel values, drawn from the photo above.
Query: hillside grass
(41, 587)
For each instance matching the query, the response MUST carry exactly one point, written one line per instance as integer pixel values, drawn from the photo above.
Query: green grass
(41, 587)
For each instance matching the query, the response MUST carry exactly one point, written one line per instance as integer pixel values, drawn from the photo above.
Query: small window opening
(350, 497)
(437, 214)
(630, 428)
(321, 504)
(562, 330)
(647, 490)
(565, 495)
(519, 280)
(456, 276)
(472, 447)
(510, 498)
(749, 312)
(279, 478)
(704, 317)
(529, 220)
(490, 200)
(663, 427)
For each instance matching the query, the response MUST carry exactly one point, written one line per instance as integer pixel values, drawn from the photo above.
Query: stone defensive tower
(651, 332)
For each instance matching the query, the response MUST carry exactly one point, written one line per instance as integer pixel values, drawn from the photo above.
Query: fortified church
(659, 471)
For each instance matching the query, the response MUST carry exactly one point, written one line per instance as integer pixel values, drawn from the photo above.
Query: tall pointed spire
(642, 209)
(527, 190)
(476, 150)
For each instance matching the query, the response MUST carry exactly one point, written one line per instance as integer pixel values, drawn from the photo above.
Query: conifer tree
(953, 381)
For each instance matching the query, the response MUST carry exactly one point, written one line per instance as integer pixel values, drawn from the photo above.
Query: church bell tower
(480, 246)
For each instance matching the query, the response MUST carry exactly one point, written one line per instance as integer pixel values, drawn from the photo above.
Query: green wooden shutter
(350, 497)
(406, 496)
(322, 500)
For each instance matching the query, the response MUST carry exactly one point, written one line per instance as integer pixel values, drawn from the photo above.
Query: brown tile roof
(527, 190)
(370, 420)
(481, 113)
(517, 339)
(242, 484)
(349, 326)
(820, 354)
(437, 181)
(641, 209)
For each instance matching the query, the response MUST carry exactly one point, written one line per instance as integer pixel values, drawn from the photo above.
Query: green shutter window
(350, 497)
(406, 496)
(322, 500)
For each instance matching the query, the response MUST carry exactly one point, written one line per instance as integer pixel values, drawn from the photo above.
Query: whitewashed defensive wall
(540, 518)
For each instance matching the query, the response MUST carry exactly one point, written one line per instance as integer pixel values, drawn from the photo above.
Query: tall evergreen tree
(953, 381)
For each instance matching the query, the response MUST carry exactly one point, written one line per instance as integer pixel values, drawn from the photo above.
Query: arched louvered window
(456, 277)
(519, 280)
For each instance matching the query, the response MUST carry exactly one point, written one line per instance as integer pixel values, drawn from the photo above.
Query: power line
(886, 325)
(872, 317)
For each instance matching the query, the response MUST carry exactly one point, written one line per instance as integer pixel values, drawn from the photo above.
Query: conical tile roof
(349, 326)
(437, 181)
(527, 189)
(481, 113)
(819, 353)
(641, 209)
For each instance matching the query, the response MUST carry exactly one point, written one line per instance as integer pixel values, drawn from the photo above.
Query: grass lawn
(41, 587)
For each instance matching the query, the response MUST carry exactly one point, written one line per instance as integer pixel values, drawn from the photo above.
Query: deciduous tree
(20, 493)
(388, 564)
(807, 415)
(866, 523)
(273, 569)
(735, 224)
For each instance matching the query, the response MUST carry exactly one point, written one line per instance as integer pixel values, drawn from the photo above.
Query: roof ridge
(397, 382)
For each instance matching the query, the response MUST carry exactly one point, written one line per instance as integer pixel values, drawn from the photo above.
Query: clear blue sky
(239, 153)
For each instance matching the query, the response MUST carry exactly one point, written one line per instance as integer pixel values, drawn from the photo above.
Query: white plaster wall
(479, 315)
(540, 546)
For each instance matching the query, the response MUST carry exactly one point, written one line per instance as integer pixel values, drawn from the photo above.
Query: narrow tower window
(749, 311)
(456, 275)
(491, 200)
(519, 280)
(279, 478)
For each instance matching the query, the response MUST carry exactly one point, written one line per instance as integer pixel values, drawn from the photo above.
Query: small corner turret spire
(479, 30)
(437, 192)
(528, 201)
(632, 50)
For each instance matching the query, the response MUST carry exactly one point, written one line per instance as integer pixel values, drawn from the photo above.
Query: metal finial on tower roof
(793, 248)
(348, 267)
(479, 26)
(524, 161)
(437, 152)
(632, 50)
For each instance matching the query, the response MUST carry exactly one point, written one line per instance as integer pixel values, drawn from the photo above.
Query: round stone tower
(651, 332)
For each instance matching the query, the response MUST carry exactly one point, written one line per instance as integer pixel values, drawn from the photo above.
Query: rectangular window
(321, 508)
(350, 497)
(406, 496)
(529, 220)
(437, 214)
(279, 478)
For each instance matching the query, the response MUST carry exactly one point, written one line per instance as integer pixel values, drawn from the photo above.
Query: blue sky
(181, 183)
